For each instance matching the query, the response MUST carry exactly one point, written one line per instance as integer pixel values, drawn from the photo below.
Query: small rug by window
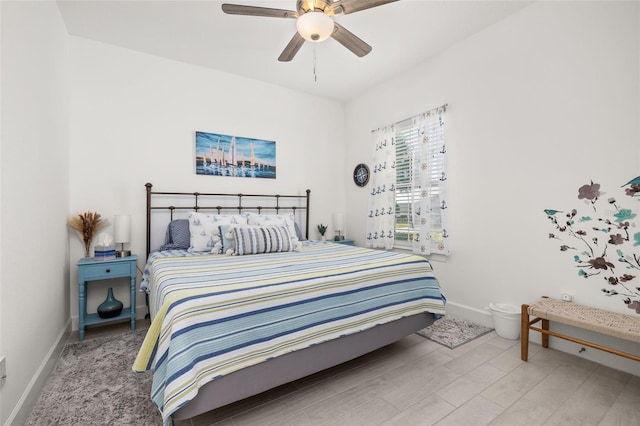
(453, 332)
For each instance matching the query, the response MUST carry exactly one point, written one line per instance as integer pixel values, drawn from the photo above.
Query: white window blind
(406, 135)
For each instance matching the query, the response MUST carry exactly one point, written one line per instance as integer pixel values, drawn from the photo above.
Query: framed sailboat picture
(235, 156)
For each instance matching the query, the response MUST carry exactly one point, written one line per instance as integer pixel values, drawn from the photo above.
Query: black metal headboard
(201, 200)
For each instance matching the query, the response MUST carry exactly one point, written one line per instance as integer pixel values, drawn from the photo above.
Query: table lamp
(122, 233)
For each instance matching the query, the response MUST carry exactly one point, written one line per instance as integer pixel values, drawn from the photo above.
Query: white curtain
(417, 147)
(429, 185)
(381, 215)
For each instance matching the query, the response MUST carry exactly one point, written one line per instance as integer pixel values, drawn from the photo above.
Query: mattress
(214, 315)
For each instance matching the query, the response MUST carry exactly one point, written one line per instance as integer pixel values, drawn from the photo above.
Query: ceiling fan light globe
(315, 26)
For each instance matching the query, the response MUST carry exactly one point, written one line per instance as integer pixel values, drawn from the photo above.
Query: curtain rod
(442, 107)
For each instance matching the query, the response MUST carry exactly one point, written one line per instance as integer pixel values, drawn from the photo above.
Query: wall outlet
(567, 297)
(3, 368)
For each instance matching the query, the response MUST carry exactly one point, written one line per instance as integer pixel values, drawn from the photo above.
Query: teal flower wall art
(604, 241)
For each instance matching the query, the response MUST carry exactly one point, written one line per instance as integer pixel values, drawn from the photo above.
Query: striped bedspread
(213, 315)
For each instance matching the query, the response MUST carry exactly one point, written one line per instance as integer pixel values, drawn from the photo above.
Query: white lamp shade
(338, 221)
(122, 228)
(315, 26)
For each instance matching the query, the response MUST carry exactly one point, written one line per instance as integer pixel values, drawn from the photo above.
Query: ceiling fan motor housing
(304, 6)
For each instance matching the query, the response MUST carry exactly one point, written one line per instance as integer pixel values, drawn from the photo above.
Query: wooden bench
(545, 309)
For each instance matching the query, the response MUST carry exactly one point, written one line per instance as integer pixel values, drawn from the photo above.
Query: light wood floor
(419, 382)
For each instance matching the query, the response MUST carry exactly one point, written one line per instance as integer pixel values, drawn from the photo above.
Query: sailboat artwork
(235, 156)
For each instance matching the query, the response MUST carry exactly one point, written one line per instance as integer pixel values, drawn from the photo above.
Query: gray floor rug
(453, 332)
(93, 384)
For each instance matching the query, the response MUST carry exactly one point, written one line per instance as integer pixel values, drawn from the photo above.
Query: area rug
(452, 332)
(93, 384)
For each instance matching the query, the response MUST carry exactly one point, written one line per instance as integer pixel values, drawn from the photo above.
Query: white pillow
(204, 230)
(287, 220)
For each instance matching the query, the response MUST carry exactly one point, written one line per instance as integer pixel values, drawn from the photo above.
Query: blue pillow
(299, 233)
(178, 236)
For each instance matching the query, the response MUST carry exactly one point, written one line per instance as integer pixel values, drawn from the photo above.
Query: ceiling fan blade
(344, 7)
(292, 48)
(350, 40)
(237, 9)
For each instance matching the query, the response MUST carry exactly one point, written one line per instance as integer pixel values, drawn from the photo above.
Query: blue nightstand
(93, 270)
(347, 242)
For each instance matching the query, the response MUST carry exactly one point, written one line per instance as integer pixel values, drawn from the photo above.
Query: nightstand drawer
(102, 272)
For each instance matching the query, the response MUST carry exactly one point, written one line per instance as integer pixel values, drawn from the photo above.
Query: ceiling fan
(314, 22)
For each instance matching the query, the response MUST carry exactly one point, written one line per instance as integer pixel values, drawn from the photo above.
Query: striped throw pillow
(256, 239)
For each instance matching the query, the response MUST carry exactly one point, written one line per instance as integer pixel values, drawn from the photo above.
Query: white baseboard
(484, 317)
(27, 401)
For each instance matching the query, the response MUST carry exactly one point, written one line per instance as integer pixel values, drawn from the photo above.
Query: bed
(226, 327)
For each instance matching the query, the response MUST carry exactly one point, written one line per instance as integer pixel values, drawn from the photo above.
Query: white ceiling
(402, 34)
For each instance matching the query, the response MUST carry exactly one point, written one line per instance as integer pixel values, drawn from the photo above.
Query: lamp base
(123, 253)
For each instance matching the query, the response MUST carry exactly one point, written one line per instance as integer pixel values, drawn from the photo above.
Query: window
(417, 197)
(406, 136)
(409, 162)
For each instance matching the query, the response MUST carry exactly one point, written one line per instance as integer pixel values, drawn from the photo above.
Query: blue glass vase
(111, 307)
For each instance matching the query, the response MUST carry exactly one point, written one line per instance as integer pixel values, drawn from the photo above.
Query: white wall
(34, 277)
(539, 104)
(1, 138)
(133, 120)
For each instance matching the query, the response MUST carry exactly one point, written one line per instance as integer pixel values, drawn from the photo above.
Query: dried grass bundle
(86, 225)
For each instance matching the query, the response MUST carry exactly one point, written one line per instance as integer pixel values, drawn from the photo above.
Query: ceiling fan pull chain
(315, 75)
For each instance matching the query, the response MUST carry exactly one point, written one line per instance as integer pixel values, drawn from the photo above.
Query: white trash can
(506, 320)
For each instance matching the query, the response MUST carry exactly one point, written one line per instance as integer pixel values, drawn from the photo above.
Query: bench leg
(545, 336)
(524, 333)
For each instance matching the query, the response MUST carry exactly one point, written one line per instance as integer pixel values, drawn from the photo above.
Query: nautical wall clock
(361, 174)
